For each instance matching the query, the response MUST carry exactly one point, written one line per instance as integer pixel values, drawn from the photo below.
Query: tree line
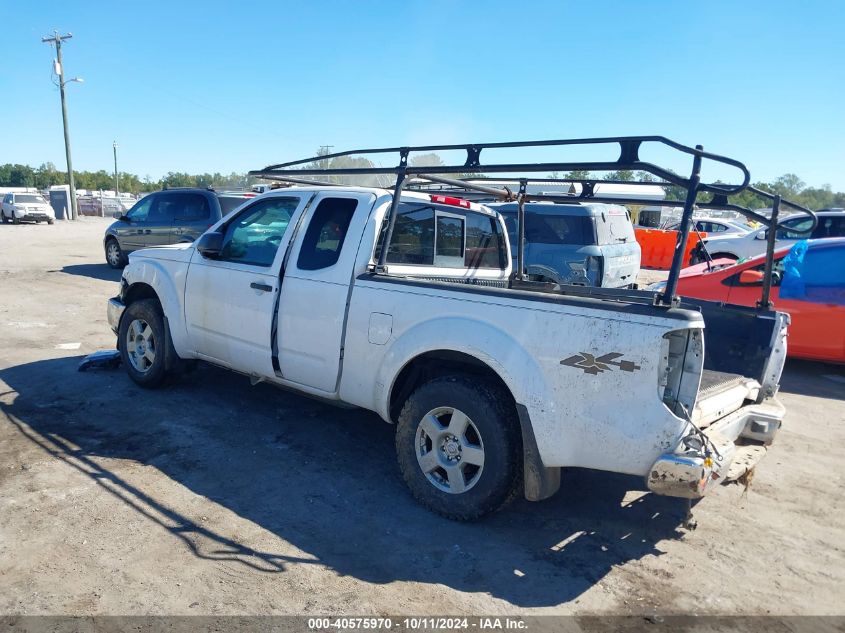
(46, 175)
(789, 186)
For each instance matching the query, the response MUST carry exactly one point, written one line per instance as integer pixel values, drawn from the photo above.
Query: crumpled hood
(171, 252)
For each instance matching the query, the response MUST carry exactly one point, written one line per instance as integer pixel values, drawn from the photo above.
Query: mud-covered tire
(145, 369)
(495, 428)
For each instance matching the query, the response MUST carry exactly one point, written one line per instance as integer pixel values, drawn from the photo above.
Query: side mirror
(751, 278)
(210, 244)
(762, 236)
(118, 215)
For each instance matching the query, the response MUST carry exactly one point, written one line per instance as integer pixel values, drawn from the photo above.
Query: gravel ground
(214, 497)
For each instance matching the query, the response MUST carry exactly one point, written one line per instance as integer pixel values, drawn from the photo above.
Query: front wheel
(142, 342)
(459, 447)
(50, 221)
(114, 255)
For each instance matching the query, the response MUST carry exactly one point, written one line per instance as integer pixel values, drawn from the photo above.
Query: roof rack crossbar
(629, 149)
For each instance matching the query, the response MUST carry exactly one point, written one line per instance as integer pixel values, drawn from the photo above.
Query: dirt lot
(214, 497)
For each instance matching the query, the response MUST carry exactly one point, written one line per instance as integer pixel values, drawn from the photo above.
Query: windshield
(552, 229)
(28, 198)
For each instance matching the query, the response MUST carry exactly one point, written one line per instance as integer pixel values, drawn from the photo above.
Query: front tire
(459, 447)
(143, 344)
(114, 255)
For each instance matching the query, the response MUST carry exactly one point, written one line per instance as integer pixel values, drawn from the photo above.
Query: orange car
(808, 283)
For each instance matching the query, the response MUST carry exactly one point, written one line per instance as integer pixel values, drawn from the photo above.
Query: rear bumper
(114, 312)
(690, 470)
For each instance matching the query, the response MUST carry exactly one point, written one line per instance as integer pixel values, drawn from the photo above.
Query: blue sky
(224, 86)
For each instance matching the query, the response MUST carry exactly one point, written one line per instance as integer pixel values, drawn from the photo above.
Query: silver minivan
(587, 244)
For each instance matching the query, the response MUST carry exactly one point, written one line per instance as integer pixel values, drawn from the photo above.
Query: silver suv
(26, 207)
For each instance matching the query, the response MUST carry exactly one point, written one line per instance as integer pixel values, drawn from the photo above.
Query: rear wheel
(143, 344)
(459, 447)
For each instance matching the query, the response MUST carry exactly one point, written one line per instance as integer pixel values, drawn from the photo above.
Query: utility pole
(57, 40)
(116, 181)
(324, 151)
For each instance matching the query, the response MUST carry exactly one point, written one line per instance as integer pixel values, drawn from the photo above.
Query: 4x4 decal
(595, 365)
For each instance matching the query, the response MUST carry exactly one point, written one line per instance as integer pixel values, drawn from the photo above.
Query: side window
(829, 227)
(326, 233)
(484, 248)
(141, 210)
(413, 236)
(254, 235)
(191, 207)
(798, 224)
(164, 208)
(449, 240)
(711, 227)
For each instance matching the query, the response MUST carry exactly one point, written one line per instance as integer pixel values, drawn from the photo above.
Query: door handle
(260, 286)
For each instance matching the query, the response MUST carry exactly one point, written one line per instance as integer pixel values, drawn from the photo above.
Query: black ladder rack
(628, 159)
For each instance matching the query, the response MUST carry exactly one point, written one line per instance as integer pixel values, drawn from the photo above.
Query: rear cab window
(444, 240)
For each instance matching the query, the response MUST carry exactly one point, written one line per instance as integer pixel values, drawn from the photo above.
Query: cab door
(230, 300)
(316, 286)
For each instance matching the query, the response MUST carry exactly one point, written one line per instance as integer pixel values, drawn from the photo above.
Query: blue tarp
(814, 272)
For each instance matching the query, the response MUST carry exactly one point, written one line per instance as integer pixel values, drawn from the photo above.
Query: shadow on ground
(802, 377)
(95, 271)
(325, 480)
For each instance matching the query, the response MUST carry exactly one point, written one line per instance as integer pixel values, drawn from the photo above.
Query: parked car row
(739, 245)
(808, 282)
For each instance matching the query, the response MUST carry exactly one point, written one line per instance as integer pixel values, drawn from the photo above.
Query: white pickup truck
(492, 388)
